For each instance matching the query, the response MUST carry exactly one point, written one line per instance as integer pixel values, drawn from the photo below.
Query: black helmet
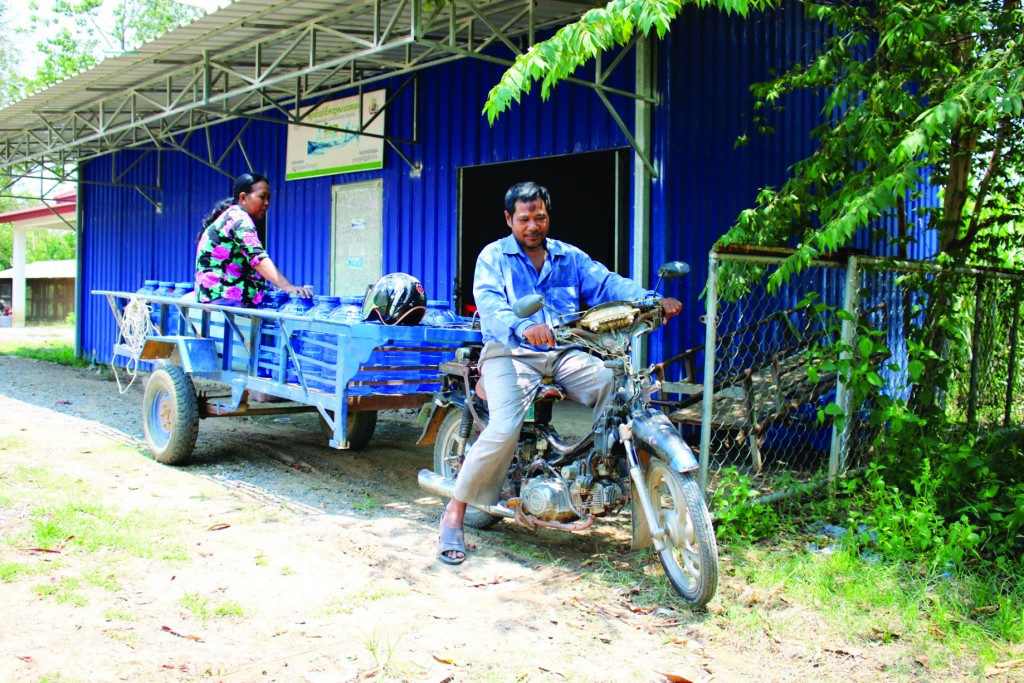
(396, 299)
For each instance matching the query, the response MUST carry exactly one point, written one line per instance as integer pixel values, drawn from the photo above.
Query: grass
(50, 351)
(366, 504)
(347, 604)
(946, 618)
(61, 515)
(203, 609)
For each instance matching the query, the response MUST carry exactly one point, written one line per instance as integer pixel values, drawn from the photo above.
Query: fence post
(1011, 363)
(710, 334)
(972, 395)
(837, 453)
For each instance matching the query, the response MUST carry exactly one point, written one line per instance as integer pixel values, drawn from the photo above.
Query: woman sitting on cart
(232, 267)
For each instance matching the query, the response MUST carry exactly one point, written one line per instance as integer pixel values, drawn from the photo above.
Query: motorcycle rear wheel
(691, 556)
(448, 464)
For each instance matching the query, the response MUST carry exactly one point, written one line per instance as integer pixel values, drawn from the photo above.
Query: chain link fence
(775, 388)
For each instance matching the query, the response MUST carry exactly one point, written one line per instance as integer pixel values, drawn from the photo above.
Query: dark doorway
(589, 208)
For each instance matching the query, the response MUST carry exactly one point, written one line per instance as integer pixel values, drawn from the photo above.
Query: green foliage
(599, 30)
(10, 79)
(736, 515)
(917, 92)
(81, 34)
(40, 245)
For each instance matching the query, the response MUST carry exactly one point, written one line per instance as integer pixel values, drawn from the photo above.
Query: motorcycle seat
(549, 391)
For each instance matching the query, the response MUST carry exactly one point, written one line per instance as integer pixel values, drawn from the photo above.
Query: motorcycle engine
(549, 498)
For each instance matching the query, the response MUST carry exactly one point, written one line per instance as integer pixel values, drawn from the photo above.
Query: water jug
(439, 314)
(313, 345)
(298, 306)
(158, 312)
(349, 311)
(175, 324)
(268, 360)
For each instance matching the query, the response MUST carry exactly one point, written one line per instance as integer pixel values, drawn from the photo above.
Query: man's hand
(541, 335)
(671, 307)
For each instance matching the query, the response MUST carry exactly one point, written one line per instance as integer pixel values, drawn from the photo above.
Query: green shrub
(736, 515)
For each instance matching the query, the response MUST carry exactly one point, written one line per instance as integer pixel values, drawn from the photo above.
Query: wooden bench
(771, 383)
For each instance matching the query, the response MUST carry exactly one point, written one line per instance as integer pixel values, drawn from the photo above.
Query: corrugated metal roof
(41, 270)
(258, 56)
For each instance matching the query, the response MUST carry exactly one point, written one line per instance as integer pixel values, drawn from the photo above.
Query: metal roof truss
(290, 64)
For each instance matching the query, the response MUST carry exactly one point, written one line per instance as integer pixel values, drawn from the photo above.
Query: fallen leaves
(446, 657)
(218, 527)
(187, 636)
(844, 650)
(1003, 667)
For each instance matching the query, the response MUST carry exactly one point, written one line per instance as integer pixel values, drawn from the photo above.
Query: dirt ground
(329, 558)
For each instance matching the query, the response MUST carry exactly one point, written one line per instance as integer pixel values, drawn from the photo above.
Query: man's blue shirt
(504, 273)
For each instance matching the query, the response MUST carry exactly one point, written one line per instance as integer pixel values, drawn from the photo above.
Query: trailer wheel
(358, 428)
(170, 415)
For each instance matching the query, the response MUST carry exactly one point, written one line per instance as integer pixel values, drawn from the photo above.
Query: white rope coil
(135, 327)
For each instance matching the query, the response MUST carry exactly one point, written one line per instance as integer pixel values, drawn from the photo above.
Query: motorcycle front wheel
(447, 463)
(690, 557)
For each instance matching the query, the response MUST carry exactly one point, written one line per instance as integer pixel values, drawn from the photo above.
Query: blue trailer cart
(345, 372)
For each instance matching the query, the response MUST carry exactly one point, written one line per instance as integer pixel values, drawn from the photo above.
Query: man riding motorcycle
(519, 353)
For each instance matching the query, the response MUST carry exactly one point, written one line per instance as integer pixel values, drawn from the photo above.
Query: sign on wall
(357, 245)
(315, 152)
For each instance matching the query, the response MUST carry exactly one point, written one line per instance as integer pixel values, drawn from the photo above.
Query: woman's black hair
(243, 183)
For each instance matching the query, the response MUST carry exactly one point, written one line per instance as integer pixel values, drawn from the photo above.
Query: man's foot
(451, 544)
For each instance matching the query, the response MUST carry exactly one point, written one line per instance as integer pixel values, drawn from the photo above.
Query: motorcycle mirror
(673, 269)
(528, 305)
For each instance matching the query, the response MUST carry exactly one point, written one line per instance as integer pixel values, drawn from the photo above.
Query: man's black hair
(526, 192)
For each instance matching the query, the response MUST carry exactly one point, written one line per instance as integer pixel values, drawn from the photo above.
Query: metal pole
(837, 453)
(639, 267)
(710, 339)
(972, 395)
(1011, 362)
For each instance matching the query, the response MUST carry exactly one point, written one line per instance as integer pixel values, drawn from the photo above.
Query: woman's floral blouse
(226, 260)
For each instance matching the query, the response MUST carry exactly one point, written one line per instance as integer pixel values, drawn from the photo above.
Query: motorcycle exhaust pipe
(444, 487)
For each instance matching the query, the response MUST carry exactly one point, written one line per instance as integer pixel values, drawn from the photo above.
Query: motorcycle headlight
(607, 317)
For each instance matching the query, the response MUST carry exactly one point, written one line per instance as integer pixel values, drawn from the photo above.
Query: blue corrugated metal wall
(705, 67)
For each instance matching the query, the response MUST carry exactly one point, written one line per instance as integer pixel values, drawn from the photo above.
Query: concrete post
(18, 281)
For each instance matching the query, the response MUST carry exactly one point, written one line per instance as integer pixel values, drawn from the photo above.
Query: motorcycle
(634, 456)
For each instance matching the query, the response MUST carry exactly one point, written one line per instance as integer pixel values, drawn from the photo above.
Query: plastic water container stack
(298, 306)
(313, 344)
(271, 345)
(158, 312)
(439, 314)
(349, 311)
(175, 324)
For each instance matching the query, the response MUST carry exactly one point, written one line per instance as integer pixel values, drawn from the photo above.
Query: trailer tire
(358, 428)
(170, 415)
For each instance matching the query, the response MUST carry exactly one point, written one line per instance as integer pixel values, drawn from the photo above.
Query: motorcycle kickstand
(636, 474)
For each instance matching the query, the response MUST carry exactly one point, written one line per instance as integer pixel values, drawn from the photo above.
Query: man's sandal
(450, 540)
